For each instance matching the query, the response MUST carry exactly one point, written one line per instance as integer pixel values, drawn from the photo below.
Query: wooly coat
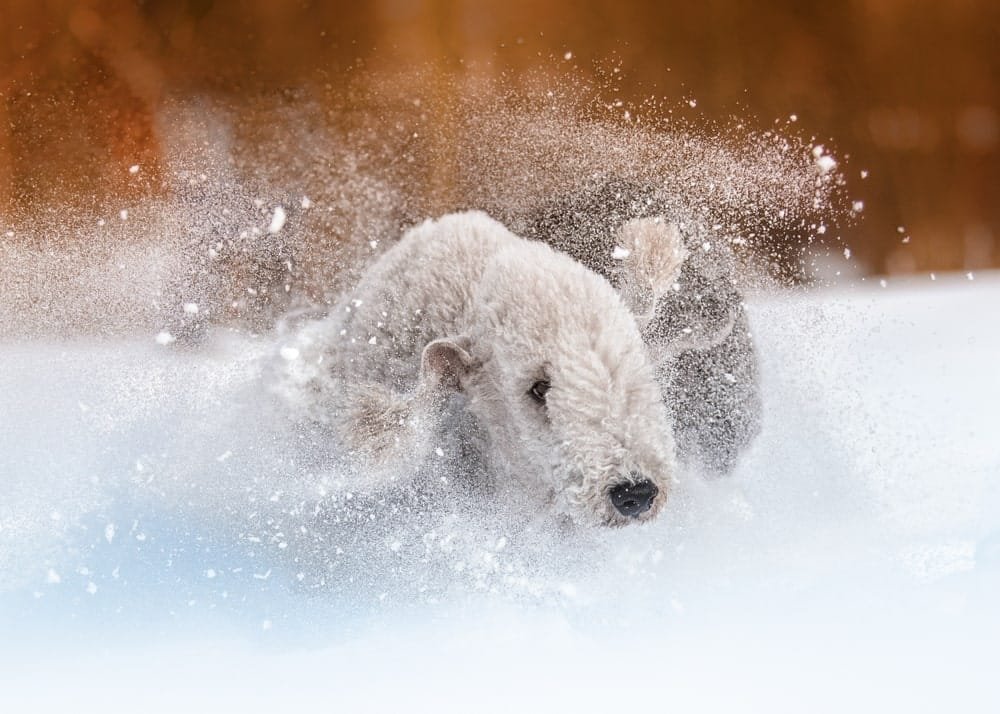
(534, 359)
(697, 331)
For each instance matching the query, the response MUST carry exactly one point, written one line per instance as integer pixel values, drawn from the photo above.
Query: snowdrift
(167, 543)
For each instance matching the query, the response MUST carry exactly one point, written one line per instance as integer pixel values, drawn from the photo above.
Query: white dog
(537, 355)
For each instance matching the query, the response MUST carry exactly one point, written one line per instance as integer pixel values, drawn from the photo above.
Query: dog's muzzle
(633, 499)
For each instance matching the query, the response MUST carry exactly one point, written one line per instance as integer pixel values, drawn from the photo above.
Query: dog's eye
(538, 391)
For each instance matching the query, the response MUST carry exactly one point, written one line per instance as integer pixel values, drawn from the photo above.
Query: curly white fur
(462, 304)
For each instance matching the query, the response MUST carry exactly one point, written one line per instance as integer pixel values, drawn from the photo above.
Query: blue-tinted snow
(152, 555)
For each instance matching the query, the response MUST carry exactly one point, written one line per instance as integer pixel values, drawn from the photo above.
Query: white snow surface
(160, 548)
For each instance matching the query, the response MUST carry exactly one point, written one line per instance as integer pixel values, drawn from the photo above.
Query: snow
(851, 564)
(277, 220)
(826, 163)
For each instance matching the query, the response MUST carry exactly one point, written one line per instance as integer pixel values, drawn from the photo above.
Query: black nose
(633, 499)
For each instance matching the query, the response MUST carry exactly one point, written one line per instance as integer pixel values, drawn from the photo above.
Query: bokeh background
(904, 91)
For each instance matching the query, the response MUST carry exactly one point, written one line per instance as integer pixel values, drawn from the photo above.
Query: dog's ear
(651, 252)
(447, 363)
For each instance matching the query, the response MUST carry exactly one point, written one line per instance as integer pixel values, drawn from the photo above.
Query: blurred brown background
(906, 90)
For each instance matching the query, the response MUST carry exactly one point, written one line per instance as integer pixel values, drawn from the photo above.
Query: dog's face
(555, 369)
